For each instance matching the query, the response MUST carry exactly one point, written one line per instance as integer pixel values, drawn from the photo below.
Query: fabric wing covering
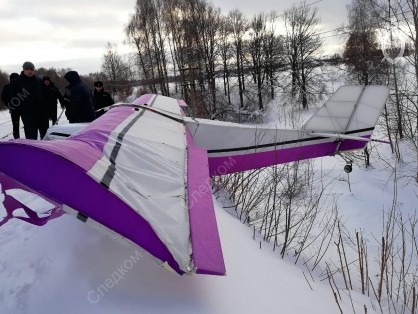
(148, 172)
(127, 175)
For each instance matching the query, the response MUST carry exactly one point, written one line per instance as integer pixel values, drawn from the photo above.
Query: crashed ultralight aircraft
(141, 171)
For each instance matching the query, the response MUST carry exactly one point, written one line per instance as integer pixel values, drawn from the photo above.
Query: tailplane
(350, 110)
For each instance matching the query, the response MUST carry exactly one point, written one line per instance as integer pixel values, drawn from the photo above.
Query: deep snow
(54, 268)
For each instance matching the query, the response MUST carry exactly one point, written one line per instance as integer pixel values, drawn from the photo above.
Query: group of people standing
(35, 100)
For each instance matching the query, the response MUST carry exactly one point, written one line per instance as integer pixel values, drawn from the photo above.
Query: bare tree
(362, 53)
(301, 44)
(116, 72)
(398, 23)
(175, 33)
(258, 30)
(405, 13)
(226, 55)
(264, 48)
(145, 31)
(239, 25)
(205, 24)
(137, 35)
(274, 50)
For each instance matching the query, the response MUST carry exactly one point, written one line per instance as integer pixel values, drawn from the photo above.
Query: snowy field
(68, 267)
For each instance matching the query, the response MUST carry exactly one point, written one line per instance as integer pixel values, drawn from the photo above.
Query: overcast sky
(61, 34)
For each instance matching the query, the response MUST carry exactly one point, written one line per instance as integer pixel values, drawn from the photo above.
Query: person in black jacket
(6, 98)
(28, 99)
(52, 95)
(102, 99)
(66, 103)
(80, 97)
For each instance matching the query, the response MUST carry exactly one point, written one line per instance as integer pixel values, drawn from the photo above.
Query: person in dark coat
(102, 99)
(52, 95)
(80, 97)
(6, 98)
(28, 98)
(67, 104)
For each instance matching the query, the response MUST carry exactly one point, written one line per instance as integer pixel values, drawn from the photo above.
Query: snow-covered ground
(67, 267)
(63, 267)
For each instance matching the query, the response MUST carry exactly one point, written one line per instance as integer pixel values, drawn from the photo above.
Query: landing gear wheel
(348, 168)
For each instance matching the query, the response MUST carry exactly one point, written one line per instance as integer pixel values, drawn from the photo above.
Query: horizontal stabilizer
(341, 136)
(350, 108)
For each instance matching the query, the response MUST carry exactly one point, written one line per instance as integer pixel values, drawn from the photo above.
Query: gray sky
(58, 33)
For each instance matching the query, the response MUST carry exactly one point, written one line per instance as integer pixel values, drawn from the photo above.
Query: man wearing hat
(81, 103)
(52, 95)
(6, 98)
(102, 99)
(28, 99)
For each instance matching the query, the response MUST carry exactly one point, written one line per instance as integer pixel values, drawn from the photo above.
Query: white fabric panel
(341, 109)
(370, 106)
(350, 108)
(347, 93)
(335, 114)
(167, 104)
(150, 176)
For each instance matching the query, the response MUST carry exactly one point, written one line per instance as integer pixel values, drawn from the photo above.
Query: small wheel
(348, 168)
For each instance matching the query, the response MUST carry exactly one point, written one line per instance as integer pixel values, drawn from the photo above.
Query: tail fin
(351, 109)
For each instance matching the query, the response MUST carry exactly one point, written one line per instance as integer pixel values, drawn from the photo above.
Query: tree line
(215, 57)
